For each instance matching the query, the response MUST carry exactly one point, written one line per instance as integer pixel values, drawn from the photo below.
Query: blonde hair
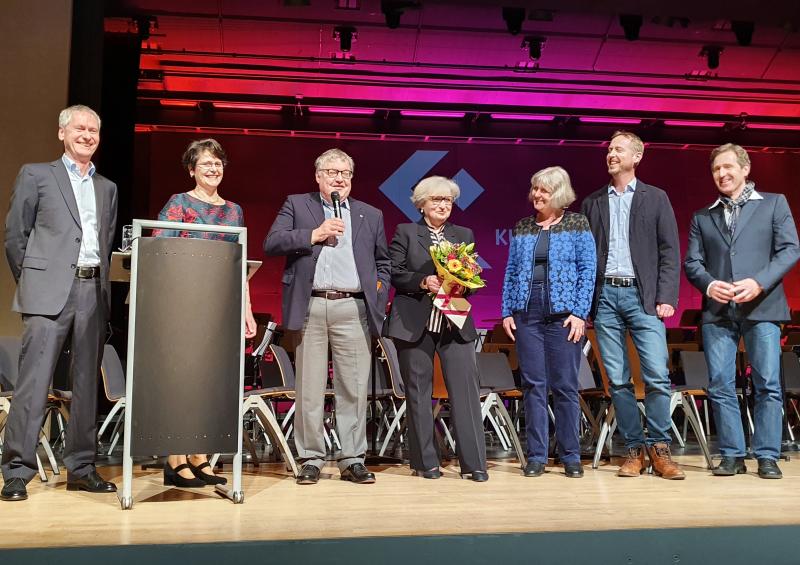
(557, 181)
(636, 142)
(742, 158)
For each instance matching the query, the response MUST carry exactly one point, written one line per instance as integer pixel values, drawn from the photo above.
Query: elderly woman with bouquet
(547, 293)
(432, 264)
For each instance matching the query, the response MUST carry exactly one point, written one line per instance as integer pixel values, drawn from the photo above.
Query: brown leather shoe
(634, 463)
(662, 462)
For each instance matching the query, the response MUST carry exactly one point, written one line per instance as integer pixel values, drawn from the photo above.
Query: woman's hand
(510, 327)
(433, 283)
(576, 330)
(250, 326)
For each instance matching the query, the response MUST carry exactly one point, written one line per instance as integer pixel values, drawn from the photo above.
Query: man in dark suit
(740, 248)
(59, 231)
(335, 287)
(638, 258)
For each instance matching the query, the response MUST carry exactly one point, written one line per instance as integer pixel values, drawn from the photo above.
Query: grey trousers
(342, 324)
(43, 339)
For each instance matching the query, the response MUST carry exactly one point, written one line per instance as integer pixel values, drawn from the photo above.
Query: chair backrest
(585, 375)
(691, 317)
(391, 366)
(509, 349)
(113, 374)
(695, 369)
(284, 365)
(9, 362)
(790, 365)
(494, 372)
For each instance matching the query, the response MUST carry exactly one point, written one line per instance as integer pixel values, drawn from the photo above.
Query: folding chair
(113, 376)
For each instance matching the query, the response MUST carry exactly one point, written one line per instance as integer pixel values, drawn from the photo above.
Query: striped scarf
(734, 207)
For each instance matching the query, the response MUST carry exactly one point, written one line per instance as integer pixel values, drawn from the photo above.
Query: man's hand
(745, 290)
(510, 327)
(330, 227)
(664, 310)
(721, 291)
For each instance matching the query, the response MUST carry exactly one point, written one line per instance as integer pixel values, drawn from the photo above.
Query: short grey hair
(426, 187)
(556, 180)
(65, 116)
(332, 154)
(742, 158)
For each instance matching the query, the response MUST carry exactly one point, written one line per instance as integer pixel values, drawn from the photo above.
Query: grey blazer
(764, 247)
(411, 262)
(43, 236)
(654, 244)
(290, 235)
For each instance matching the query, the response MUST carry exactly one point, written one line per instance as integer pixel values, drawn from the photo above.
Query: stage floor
(398, 504)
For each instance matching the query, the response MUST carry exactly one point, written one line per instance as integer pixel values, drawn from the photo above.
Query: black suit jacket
(764, 247)
(411, 262)
(290, 235)
(654, 245)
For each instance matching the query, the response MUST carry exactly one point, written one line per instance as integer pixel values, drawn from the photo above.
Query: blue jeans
(619, 310)
(762, 342)
(548, 360)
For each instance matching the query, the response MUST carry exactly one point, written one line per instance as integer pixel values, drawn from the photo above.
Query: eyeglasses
(441, 200)
(210, 165)
(333, 173)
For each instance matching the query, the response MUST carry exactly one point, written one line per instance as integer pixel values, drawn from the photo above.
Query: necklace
(203, 197)
(550, 221)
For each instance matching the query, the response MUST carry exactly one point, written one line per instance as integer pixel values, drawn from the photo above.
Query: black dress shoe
(357, 473)
(729, 466)
(429, 474)
(308, 475)
(14, 489)
(534, 469)
(573, 470)
(768, 469)
(206, 477)
(173, 478)
(477, 476)
(90, 483)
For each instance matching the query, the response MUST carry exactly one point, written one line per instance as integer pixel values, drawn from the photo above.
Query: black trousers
(42, 342)
(461, 378)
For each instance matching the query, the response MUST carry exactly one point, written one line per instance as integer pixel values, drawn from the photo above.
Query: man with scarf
(740, 249)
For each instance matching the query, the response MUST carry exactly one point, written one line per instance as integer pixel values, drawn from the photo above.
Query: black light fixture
(631, 24)
(743, 32)
(711, 53)
(534, 44)
(394, 9)
(345, 35)
(513, 16)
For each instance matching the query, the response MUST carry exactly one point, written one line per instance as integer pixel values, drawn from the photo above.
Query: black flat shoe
(729, 466)
(90, 483)
(534, 469)
(573, 470)
(173, 479)
(14, 489)
(430, 474)
(308, 475)
(357, 473)
(768, 469)
(477, 476)
(205, 477)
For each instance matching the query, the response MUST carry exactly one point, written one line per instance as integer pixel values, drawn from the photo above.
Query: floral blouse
(186, 208)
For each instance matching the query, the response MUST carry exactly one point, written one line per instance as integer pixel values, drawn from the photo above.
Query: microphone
(337, 213)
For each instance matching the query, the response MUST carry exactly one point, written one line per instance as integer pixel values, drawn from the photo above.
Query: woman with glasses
(547, 293)
(205, 161)
(419, 330)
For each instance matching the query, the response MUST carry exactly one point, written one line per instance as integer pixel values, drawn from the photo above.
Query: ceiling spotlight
(743, 32)
(631, 24)
(711, 53)
(393, 10)
(534, 44)
(513, 16)
(345, 35)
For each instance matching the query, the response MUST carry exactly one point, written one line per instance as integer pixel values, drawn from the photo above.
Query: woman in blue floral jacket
(547, 293)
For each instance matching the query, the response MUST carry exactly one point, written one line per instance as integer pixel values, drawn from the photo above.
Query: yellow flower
(453, 265)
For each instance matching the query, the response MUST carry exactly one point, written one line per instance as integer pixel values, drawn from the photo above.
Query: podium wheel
(126, 502)
(238, 497)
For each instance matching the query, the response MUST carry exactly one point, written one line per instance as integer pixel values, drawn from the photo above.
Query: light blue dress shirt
(619, 263)
(83, 189)
(336, 266)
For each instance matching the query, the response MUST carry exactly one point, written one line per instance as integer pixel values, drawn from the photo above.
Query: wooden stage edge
(400, 505)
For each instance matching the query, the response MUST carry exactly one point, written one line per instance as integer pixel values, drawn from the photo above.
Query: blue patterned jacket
(570, 268)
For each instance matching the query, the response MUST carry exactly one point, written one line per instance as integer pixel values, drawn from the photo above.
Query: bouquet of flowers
(457, 266)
